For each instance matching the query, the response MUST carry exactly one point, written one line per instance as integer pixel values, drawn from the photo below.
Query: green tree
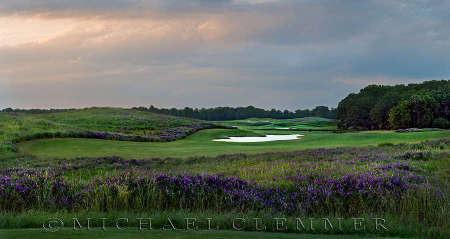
(441, 123)
(371, 107)
(380, 112)
(399, 116)
(421, 110)
(417, 111)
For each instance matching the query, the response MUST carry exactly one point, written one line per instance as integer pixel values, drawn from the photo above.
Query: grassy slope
(117, 120)
(114, 234)
(201, 144)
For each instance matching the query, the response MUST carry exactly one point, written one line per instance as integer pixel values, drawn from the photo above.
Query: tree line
(35, 111)
(393, 107)
(238, 113)
(214, 114)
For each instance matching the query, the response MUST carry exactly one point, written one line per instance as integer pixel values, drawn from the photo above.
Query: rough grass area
(201, 143)
(116, 120)
(406, 184)
(102, 123)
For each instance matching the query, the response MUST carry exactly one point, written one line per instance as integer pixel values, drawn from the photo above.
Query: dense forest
(230, 113)
(394, 107)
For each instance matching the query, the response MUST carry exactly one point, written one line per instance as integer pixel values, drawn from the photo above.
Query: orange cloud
(21, 30)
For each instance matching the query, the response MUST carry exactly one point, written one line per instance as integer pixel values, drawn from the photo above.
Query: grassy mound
(102, 123)
(116, 120)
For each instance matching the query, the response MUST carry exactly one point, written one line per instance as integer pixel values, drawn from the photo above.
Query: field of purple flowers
(348, 195)
(408, 180)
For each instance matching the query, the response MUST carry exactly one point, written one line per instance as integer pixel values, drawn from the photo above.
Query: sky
(284, 54)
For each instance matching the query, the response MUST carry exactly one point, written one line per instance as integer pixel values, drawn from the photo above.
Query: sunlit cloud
(21, 30)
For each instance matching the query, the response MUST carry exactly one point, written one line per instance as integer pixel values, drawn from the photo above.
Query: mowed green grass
(314, 123)
(154, 234)
(201, 144)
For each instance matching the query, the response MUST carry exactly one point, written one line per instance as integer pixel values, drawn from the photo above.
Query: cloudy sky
(286, 54)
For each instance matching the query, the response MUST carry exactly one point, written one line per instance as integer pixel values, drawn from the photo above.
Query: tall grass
(405, 182)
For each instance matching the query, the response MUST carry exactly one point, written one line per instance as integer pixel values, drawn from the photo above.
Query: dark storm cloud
(43, 6)
(286, 54)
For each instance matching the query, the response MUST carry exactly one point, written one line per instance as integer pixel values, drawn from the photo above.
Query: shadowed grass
(31, 224)
(156, 234)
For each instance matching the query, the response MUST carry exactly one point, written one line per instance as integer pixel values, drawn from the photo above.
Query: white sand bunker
(259, 138)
